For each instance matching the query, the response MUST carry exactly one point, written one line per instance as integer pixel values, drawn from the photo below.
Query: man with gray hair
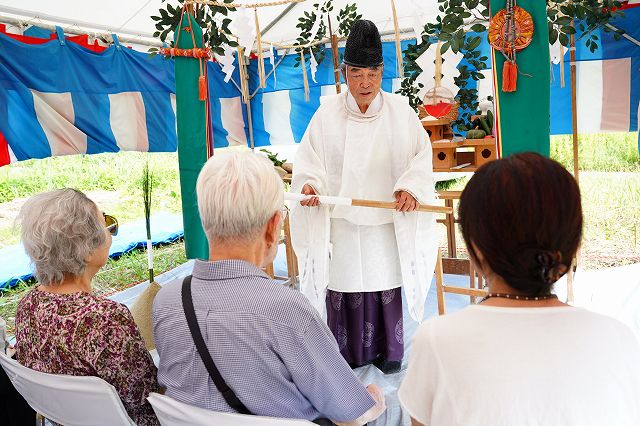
(268, 344)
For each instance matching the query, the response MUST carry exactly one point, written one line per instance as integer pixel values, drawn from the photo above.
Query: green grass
(121, 172)
(611, 205)
(117, 275)
(610, 184)
(601, 152)
(610, 187)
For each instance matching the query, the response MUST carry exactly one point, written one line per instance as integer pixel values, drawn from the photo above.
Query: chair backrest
(68, 400)
(175, 413)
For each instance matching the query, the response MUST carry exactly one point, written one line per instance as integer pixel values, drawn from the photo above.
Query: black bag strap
(223, 388)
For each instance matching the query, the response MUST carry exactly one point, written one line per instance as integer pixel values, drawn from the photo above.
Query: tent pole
(627, 36)
(140, 40)
(574, 108)
(523, 116)
(576, 168)
(336, 66)
(251, 141)
(192, 134)
(252, 145)
(278, 18)
(268, 74)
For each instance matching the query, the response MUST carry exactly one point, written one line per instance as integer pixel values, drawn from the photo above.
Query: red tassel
(509, 76)
(202, 88)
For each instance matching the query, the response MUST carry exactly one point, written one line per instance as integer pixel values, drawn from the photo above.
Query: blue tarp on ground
(165, 228)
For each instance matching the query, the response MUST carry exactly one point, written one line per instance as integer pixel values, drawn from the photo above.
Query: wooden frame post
(574, 107)
(576, 166)
(334, 56)
(440, 284)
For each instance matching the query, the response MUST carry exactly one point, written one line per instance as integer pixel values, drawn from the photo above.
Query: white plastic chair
(68, 400)
(175, 413)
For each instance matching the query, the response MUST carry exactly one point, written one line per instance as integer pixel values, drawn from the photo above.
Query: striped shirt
(269, 344)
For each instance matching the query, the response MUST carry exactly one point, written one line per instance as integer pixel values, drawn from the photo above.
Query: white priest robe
(367, 155)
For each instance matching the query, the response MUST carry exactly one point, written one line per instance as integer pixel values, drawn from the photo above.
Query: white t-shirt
(500, 366)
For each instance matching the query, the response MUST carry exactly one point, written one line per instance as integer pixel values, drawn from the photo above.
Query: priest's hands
(405, 202)
(312, 201)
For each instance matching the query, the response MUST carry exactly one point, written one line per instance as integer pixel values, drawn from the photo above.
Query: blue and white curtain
(59, 98)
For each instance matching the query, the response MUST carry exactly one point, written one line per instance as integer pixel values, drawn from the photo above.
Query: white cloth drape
(366, 156)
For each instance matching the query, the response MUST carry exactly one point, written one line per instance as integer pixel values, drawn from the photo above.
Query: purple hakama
(367, 326)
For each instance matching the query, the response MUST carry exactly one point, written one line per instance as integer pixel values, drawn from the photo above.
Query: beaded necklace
(518, 297)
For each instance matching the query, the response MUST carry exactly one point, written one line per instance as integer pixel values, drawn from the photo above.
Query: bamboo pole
(440, 288)
(473, 292)
(397, 34)
(392, 206)
(576, 168)
(574, 108)
(336, 66)
(334, 56)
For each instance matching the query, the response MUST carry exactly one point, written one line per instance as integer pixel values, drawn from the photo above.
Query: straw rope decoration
(238, 5)
(397, 33)
(438, 74)
(303, 64)
(325, 40)
(196, 52)
(244, 79)
(261, 71)
(201, 54)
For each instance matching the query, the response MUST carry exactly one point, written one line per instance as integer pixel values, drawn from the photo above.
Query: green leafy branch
(305, 23)
(215, 29)
(591, 15)
(457, 17)
(346, 17)
(274, 158)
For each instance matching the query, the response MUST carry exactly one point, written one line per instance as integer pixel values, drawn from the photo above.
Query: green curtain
(192, 142)
(524, 114)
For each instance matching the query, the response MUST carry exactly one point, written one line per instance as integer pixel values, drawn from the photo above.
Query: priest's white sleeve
(418, 177)
(416, 232)
(310, 225)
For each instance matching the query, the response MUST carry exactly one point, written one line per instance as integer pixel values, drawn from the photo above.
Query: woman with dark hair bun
(521, 356)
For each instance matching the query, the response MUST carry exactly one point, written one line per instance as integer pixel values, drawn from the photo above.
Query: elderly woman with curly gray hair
(61, 326)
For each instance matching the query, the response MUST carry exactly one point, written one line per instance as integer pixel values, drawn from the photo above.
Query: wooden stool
(292, 262)
(450, 220)
(442, 288)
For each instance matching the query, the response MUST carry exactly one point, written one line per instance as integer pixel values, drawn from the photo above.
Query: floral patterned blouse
(82, 334)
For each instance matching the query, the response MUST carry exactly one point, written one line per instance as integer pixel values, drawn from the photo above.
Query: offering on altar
(438, 101)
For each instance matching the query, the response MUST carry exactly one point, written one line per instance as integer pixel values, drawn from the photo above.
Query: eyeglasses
(111, 223)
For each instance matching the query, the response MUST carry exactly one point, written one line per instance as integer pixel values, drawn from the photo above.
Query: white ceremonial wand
(344, 201)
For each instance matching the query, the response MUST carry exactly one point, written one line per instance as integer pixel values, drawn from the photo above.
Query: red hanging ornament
(202, 88)
(510, 31)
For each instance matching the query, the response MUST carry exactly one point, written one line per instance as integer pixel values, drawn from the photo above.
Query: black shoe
(388, 367)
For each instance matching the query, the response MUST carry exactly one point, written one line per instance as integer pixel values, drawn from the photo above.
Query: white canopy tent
(134, 17)
(132, 22)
